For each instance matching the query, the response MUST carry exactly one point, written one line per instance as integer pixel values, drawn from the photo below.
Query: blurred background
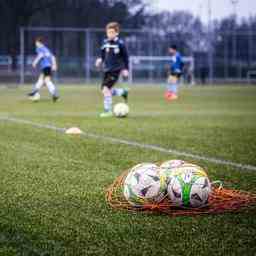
(217, 38)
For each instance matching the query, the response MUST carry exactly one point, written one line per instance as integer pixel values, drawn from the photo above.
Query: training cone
(73, 130)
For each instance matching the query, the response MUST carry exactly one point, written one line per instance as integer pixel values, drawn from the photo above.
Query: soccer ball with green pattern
(189, 186)
(144, 185)
(171, 167)
(167, 168)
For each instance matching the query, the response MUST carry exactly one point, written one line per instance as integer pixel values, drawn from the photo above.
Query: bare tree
(76, 13)
(16, 14)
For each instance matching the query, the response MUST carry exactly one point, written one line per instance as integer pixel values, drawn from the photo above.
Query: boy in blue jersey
(47, 63)
(115, 61)
(175, 73)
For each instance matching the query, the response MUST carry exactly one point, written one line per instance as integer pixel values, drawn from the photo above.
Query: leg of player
(172, 89)
(37, 86)
(52, 88)
(107, 94)
(123, 92)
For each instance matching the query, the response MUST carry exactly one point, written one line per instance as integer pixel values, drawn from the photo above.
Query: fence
(233, 57)
(77, 50)
(155, 68)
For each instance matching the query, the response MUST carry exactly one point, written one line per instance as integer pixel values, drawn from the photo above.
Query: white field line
(137, 114)
(135, 144)
(90, 114)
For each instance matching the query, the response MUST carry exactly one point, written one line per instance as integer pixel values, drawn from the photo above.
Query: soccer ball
(143, 185)
(196, 169)
(121, 110)
(170, 164)
(35, 97)
(189, 186)
(166, 168)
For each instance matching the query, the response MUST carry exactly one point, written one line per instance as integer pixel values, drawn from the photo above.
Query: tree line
(181, 27)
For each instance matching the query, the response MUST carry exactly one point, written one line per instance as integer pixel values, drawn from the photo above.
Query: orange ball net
(221, 200)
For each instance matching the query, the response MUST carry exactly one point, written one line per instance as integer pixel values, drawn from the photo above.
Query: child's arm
(125, 57)
(37, 59)
(101, 59)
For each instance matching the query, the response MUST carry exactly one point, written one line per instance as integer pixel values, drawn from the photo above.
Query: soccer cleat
(31, 94)
(106, 114)
(125, 95)
(55, 98)
(169, 96)
(174, 96)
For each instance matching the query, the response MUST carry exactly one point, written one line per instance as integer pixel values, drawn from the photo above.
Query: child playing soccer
(47, 63)
(115, 61)
(175, 73)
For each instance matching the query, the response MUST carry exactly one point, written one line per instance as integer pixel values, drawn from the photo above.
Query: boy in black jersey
(115, 61)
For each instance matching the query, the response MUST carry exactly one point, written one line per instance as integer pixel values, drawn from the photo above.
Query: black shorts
(47, 71)
(176, 74)
(110, 78)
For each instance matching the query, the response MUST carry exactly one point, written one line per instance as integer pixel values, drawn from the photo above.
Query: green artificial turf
(52, 186)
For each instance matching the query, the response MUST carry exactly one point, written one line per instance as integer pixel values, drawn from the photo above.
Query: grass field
(52, 186)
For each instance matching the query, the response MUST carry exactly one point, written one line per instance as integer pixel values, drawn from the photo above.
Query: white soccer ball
(166, 168)
(189, 187)
(194, 168)
(35, 97)
(170, 164)
(121, 110)
(144, 185)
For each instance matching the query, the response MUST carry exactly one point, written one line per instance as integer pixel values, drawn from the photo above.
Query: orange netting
(221, 200)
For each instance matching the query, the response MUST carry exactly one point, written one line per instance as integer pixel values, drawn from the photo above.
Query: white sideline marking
(137, 114)
(135, 144)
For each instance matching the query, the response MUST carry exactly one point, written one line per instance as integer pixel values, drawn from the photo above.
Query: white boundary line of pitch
(135, 144)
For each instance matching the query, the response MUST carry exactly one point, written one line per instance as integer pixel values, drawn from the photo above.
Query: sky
(220, 8)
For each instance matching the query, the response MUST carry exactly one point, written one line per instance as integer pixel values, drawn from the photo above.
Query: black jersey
(114, 55)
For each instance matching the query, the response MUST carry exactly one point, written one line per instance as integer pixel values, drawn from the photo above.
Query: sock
(107, 103)
(51, 87)
(173, 88)
(117, 91)
(38, 86)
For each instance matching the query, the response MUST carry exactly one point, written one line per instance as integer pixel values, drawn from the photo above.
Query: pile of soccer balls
(183, 183)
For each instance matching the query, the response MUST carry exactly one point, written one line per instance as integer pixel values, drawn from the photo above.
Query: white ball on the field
(121, 110)
(35, 97)
(189, 186)
(144, 185)
(170, 164)
(167, 168)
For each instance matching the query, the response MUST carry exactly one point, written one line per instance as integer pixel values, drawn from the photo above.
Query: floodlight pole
(87, 55)
(22, 56)
(234, 3)
(210, 46)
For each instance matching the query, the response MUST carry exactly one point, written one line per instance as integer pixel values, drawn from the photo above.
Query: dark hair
(173, 46)
(113, 25)
(39, 39)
